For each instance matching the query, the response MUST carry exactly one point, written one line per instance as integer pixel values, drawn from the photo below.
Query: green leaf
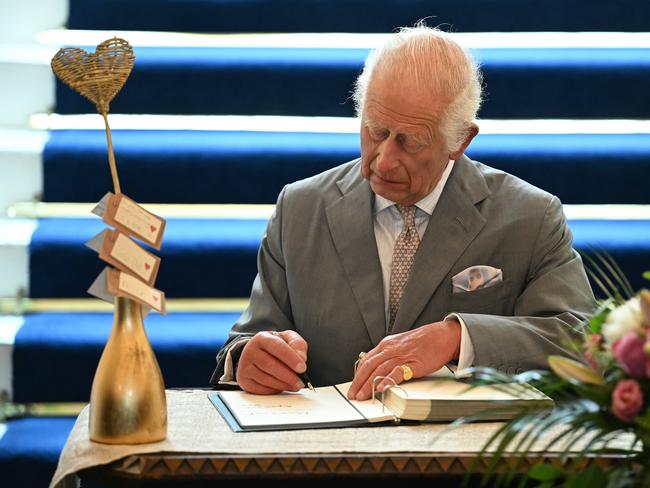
(544, 472)
(592, 477)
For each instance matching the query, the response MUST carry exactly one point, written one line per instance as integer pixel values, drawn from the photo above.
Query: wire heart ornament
(98, 76)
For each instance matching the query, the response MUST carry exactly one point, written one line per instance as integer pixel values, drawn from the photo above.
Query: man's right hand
(271, 361)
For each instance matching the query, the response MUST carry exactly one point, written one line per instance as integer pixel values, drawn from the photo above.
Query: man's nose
(388, 156)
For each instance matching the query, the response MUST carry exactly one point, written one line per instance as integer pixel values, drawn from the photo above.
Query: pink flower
(627, 400)
(590, 357)
(628, 351)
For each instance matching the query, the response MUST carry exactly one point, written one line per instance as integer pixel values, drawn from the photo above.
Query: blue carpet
(252, 167)
(29, 450)
(56, 354)
(217, 258)
(357, 15)
(200, 258)
(520, 83)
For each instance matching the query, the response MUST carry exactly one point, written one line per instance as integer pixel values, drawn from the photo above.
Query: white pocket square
(476, 278)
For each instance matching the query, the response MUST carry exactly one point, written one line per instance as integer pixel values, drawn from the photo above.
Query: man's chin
(388, 191)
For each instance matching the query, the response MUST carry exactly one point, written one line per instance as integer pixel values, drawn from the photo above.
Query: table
(212, 451)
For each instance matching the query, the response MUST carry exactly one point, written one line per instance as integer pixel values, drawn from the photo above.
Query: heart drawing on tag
(147, 266)
(153, 229)
(154, 297)
(98, 76)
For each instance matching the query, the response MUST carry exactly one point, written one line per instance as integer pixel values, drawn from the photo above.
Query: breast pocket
(493, 300)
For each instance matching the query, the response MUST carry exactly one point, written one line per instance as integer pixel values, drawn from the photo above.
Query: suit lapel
(454, 224)
(350, 220)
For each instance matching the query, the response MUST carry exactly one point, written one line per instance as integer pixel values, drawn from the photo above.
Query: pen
(305, 379)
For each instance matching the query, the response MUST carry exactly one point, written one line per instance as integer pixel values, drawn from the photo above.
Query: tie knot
(408, 214)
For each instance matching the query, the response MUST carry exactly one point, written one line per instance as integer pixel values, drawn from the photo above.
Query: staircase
(210, 127)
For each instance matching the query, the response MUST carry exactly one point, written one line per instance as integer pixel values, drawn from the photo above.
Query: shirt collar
(428, 203)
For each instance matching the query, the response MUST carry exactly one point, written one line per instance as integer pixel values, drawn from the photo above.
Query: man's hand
(425, 350)
(270, 362)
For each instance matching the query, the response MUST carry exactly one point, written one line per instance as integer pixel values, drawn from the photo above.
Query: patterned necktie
(403, 255)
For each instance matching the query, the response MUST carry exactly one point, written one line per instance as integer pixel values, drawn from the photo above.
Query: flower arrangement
(598, 402)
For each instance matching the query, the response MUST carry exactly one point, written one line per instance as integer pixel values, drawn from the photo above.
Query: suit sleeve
(269, 307)
(549, 312)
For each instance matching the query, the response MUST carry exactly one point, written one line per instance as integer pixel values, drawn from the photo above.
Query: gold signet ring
(362, 355)
(407, 371)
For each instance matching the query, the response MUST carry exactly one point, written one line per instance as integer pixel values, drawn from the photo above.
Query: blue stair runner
(52, 346)
(252, 167)
(357, 15)
(521, 83)
(30, 449)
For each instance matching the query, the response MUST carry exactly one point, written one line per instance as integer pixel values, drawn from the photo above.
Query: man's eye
(412, 145)
(378, 134)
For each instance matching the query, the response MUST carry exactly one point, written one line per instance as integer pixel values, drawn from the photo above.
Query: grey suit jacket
(319, 271)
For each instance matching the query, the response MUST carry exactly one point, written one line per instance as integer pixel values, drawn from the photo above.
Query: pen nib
(310, 386)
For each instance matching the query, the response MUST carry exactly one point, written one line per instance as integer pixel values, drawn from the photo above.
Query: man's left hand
(424, 350)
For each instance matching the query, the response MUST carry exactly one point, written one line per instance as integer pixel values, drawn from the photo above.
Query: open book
(438, 397)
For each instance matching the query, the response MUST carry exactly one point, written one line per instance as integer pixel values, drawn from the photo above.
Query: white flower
(623, 319)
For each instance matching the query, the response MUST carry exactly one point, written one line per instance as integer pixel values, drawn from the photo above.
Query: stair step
(217, 258)
(355, 15)
(193, 166)
(200, 258)
(52, 346)
(30, 449)
(521, 82)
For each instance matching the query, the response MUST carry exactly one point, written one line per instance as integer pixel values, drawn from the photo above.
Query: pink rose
(627, 400)
(628, 351)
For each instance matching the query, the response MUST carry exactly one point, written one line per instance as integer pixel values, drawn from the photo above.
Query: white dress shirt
(388, 224)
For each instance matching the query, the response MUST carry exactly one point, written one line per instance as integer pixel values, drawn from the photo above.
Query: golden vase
(127, 401)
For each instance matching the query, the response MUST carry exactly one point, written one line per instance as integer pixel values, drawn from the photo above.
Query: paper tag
(99, 288)
(100, 208)
(96, 242)
(125, 285)
(124, 253)
(130, 218)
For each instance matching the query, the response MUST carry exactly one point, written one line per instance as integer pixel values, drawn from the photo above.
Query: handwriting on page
(136, 259)
(305, 407)
(134, 217)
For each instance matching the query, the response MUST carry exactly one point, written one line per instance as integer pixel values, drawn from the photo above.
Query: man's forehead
(398, 96)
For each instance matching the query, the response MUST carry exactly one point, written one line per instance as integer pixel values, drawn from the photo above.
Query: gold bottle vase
(127, 401)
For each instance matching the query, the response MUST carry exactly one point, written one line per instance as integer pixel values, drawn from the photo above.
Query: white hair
(433, 60)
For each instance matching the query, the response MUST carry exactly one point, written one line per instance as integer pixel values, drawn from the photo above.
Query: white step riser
(9, 327)
(25, 89)
(21, 163)
(22, 20)
(15, 236)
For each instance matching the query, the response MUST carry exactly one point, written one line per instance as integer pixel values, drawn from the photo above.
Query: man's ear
(471, 132)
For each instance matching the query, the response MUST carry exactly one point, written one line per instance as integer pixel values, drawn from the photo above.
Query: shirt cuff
(466, 355)
(228, 376)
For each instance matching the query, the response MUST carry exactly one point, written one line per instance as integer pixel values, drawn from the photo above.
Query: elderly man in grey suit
(377, 259)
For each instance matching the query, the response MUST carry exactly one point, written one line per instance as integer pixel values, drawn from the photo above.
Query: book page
(305, 407)
(442, 389)
(372, 409)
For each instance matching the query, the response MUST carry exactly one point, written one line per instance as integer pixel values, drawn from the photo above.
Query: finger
(275, 345)
(367, 369)
(365, 391)
(269, 365)
(296, 342)
(251, 386)
(361, 372)
(395, 377)
(273, 382)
